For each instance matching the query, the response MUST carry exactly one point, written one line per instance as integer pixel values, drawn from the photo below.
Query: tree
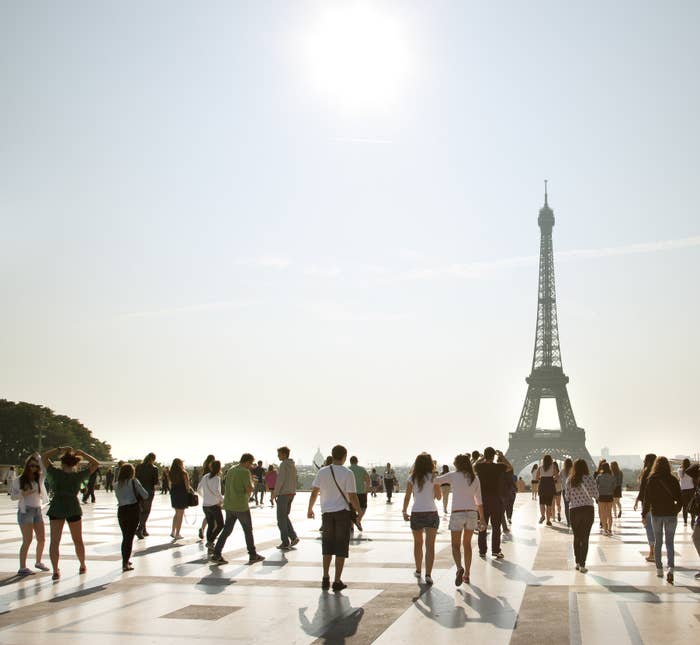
(21, 423)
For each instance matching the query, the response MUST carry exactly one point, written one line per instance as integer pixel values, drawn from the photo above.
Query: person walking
(10, 479)
(445, 489)
(662, 498)
(546, 489)
(687, 488)
(467, 513)
(421, 484)
(66, 483)
(285, 490)
(130, 494)
(259, 484)
(694, 472)
(490, 477)
(271, 482)
(205, 470)
(179, 488)
(165, 481)
(389, 478)
(146, 474)
(580, 490)
(336, 486)
(89, 491)
(534, 484)
(29, 492)
(606, 488)
(238, 487)
(362, 484)
(375, 481)
(557, 491)
(563, 477)
(648, 464)
(109, 480)
(212, 501)
(508, 493)
(617, 492)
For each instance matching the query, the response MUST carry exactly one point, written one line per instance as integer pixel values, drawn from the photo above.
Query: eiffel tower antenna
(547, 379)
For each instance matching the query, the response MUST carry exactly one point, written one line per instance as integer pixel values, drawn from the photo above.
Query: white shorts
(464, 521)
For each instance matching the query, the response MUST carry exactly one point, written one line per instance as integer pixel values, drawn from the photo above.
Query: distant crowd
(482, 488)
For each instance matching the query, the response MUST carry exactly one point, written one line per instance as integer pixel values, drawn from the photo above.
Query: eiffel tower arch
(547, 380)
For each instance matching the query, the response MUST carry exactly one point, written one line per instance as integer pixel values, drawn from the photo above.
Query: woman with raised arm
(467, 512)
(29, 491)
(643, 477)
(424, 516)
(66, 483)
(179, 487)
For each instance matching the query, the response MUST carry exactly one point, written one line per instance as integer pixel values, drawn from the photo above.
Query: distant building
(631, 462)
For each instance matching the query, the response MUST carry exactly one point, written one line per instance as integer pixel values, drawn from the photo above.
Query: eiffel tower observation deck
(547, 380)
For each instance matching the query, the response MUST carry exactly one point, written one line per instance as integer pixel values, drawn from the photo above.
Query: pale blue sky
(220, 234)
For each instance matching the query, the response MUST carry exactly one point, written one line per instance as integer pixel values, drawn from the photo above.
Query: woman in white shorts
(29, 491)
(467, 513)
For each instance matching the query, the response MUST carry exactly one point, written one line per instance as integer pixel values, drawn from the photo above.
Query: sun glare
(357, 56)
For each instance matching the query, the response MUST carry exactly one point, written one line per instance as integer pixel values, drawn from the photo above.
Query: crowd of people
(482, 488)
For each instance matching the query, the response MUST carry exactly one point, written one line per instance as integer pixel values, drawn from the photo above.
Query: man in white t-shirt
(336, 484)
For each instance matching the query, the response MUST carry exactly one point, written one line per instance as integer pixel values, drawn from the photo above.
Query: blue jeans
(650, 529)
(246, 522)
(284, 506)
(664, 524)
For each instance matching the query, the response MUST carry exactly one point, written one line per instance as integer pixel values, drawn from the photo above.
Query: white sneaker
(659, 573)
(583, 570)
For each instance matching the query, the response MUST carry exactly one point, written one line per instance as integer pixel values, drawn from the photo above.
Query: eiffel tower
(547, 380)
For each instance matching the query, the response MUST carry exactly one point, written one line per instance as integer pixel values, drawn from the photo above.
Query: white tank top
(424, 498)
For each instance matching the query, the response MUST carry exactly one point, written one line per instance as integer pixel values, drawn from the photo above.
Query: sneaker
(217, 559)
(541, 519)
(459, 578)
(482, 555)
(294, 542)
(339, 585)
(578, 567)
(210, 546)
(145, 533)
(139, 536)
(697, 575)
(127, 567)
(284, 547)
(200, 533)
(549, 523)
(416, 574)
(499, 555)
(428, 580)
(659, 573)
(325, 583)
(55, 575)
(41, 566)
(583, 569)
(25, 572)
(255, 558)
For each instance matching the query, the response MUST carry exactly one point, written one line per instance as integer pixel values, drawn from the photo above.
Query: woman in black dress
(179, 486)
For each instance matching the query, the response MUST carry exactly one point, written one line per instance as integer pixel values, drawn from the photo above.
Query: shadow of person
(495, 610)
(335, 618)
(441, 608)
(514, 571)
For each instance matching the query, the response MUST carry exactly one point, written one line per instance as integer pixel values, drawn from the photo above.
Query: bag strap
(668, 490)
(339, 488)
(136, 494)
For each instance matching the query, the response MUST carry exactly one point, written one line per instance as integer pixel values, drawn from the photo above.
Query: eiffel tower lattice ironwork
(547, 380)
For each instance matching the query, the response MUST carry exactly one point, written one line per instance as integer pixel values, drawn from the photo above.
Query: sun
(357, 55)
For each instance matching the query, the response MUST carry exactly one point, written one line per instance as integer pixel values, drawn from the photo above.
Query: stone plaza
(175, 595)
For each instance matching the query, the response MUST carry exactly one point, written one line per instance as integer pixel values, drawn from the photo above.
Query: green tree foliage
(21, 422)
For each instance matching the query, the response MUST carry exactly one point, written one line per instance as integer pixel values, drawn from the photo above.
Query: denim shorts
(424, 520)
(31, 515)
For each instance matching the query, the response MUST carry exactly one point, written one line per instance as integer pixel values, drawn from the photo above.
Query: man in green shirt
(362, 485)
(239, 486)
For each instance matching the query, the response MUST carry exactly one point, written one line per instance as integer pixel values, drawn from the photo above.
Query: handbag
(139, 499)
(192, 498)
(353, 512)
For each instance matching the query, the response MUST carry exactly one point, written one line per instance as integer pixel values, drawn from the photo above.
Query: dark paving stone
(202, 612)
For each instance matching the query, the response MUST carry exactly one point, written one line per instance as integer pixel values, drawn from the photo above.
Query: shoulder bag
(353, 512)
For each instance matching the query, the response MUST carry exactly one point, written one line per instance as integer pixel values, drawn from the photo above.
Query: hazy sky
(232, 225)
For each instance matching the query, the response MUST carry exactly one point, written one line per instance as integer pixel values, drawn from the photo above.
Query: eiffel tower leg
(531, 410)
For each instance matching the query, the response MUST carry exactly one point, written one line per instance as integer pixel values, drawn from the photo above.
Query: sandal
(459, 577)
(82, 569)
(56, 575)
